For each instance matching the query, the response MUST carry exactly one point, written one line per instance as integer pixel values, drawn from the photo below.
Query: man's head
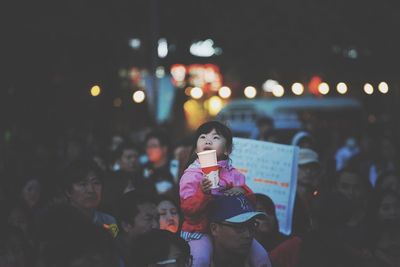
(137, 214)
(83, 183)
(233, 224)
(353, 185)
(308, 179)
(127, 157)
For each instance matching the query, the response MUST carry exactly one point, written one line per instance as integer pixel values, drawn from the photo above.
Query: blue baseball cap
(233, 209)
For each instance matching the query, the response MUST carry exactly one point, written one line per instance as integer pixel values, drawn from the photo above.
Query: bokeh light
(138, 96)
(250, 92)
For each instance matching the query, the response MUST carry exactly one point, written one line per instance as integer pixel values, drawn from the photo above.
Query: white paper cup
(207, 158)
(209, 166)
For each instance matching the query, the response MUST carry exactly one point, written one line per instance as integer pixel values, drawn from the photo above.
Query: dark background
(52, 52)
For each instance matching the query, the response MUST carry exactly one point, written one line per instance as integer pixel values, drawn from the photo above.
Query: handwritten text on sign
(270, 169)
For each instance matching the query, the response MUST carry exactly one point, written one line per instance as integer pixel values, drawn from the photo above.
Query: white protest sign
(270, 169)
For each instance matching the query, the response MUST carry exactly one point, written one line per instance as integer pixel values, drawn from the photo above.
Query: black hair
(125, 146)
(127, 206)
(154, 246)
(78, 170)
(160, 135)
(206, 128)
(267, 203)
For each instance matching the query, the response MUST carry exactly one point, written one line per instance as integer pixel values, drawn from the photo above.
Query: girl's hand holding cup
(206, 185)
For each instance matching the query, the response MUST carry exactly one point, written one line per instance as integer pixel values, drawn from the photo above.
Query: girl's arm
(193, 199)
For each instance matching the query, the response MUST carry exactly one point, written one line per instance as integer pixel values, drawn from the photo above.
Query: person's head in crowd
(170, 216)
(160, 248)
(354, 186)
(212, 135)
(137, 214)
(68, 239)
(233, 225)
(31, 191)
(127, 157)
(13, 247)
(268, 225)
(386, 206)
(83, 185)
(308, 177)
(157, 148)
(389, 180)
(303, 140)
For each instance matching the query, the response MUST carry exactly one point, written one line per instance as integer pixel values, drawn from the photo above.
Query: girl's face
(169, 218)
(212, 141)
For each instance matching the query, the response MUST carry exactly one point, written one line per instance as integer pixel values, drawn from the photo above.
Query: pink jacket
(194, 202)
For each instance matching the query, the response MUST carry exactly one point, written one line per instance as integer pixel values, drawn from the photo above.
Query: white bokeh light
(250, 92)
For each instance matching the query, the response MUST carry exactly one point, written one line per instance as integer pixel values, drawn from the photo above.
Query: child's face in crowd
(31, 192)
(129, 160)
(86, 194)
(212, 141)
(169, 217)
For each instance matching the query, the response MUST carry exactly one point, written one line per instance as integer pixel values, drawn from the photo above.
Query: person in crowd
(267, 232)
(303, 139)
(387, 159)
(323, 245)
(344, 154)
(232, 228)
(127, 158)
(264, 130)
(68, 239)
(308, 186)
(386, 209)
(160, 248)
(283, 250)
(157, 170)
(31, 192)
(127, 176)
(356, 232)
(196, 193)
(82, 186)
(170, 215)
(389, 180)
(136, 214)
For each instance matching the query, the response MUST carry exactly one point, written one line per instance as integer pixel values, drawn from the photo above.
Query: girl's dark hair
(207, 127)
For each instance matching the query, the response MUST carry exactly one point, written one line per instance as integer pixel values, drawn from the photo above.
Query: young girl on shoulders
(196, 193)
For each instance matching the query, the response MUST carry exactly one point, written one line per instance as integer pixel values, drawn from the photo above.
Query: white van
(291, 113)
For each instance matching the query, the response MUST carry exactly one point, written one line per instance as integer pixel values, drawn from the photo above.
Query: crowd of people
(142, 200)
